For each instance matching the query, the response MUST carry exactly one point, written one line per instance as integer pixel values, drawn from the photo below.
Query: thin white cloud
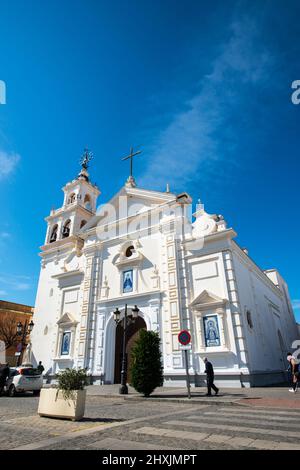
(4, 235)
(196, 134)
(8, 163)
(22, 286)
(15, 282)
(296, 304)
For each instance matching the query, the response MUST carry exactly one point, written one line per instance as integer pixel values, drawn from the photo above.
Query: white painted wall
(168, 280)
(269, 313)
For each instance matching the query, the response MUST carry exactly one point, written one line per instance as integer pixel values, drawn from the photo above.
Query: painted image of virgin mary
(212, 333)
(127, 281)
(66, 343)
(212, 336)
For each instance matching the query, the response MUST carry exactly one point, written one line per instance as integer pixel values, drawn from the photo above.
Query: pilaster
(237, 314)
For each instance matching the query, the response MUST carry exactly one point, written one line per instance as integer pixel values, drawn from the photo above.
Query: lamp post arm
(23, 342)
(124, 345)
(124, 388)
(24, 332)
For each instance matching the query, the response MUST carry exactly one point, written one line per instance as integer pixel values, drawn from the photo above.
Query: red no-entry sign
(184, 337)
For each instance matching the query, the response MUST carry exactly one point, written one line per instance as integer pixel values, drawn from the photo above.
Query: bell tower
(79, 205)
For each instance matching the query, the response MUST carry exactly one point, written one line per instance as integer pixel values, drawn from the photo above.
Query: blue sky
(204, 92)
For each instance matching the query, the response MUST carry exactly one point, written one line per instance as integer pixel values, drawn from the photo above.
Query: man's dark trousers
(211, 385)
(209, 370)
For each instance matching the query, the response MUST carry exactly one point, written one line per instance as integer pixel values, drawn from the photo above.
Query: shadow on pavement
(85, 419)
(197, 395)
(101, 420)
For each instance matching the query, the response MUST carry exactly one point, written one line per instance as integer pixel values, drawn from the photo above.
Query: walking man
(294, 371)
(40, 367)
(209, 371)
(4, 373)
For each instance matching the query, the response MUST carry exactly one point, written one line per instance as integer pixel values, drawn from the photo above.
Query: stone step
(216, 439)
(239, 429)
(258, 421)
(120, 444)
(233, 414)
(264, 411)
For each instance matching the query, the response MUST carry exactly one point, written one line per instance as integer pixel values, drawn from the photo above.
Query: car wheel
(36, 393)
(12, 391)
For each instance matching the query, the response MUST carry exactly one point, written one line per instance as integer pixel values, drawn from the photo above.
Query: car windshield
(31, 372)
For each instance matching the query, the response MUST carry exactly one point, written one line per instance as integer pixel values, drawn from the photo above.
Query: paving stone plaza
(267, 419)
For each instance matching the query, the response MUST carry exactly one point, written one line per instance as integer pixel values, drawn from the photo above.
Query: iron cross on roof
(131, 155)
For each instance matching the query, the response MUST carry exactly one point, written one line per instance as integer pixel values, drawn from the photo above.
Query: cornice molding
(227, 234)
(127, 298)
(206, 300)
(59, 213)
(75, 272)
(59, 245)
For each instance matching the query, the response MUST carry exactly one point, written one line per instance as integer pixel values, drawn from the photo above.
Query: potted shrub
(146, 370)
(67, 399)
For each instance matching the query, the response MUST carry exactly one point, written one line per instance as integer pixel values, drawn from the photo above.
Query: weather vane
(86, 157)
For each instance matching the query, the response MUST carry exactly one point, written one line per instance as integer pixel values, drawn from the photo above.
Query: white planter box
(52, 403)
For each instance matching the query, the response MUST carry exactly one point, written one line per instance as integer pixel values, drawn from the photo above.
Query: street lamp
(117, 314)
(128, 320)
(24, 330)
(135, 312)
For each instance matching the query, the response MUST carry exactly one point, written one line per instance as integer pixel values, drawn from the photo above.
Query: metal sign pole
(188, 384)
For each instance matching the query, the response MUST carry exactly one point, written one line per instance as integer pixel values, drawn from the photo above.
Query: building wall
(55, 297)
(212, 272)
(273, 325)
(175, 288)
(18, 312)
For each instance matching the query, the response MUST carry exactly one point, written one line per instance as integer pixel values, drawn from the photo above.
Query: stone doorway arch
(133, 332)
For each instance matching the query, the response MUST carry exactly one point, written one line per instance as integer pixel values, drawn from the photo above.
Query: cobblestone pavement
(115, 423)
(20, 424)
(275, 397)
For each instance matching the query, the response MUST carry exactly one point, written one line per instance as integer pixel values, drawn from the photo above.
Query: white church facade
(144, 248)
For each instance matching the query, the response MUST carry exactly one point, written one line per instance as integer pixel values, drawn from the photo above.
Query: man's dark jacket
(4, 373)
(209, 370)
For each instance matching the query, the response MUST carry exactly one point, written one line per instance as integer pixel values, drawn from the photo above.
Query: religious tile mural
(211, 331)
(65, 345)
(128, 281)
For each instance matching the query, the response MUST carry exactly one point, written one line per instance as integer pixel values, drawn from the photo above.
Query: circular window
(129, 251)
(249, 319)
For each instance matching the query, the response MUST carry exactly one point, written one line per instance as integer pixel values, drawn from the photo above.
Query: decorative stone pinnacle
(130, 183)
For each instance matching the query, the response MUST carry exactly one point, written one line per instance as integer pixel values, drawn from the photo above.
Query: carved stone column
(223, 335)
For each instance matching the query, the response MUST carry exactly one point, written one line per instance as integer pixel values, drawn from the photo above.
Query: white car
(24, 379)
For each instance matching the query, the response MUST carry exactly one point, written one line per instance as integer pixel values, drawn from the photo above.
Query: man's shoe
(208, 395)
(291, 390)
(216, 393)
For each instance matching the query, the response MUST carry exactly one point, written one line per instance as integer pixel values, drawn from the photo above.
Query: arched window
(129, 251)
(83, 222)
(66, 229)
(87, 202)
(53, 235)
(72, 198)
